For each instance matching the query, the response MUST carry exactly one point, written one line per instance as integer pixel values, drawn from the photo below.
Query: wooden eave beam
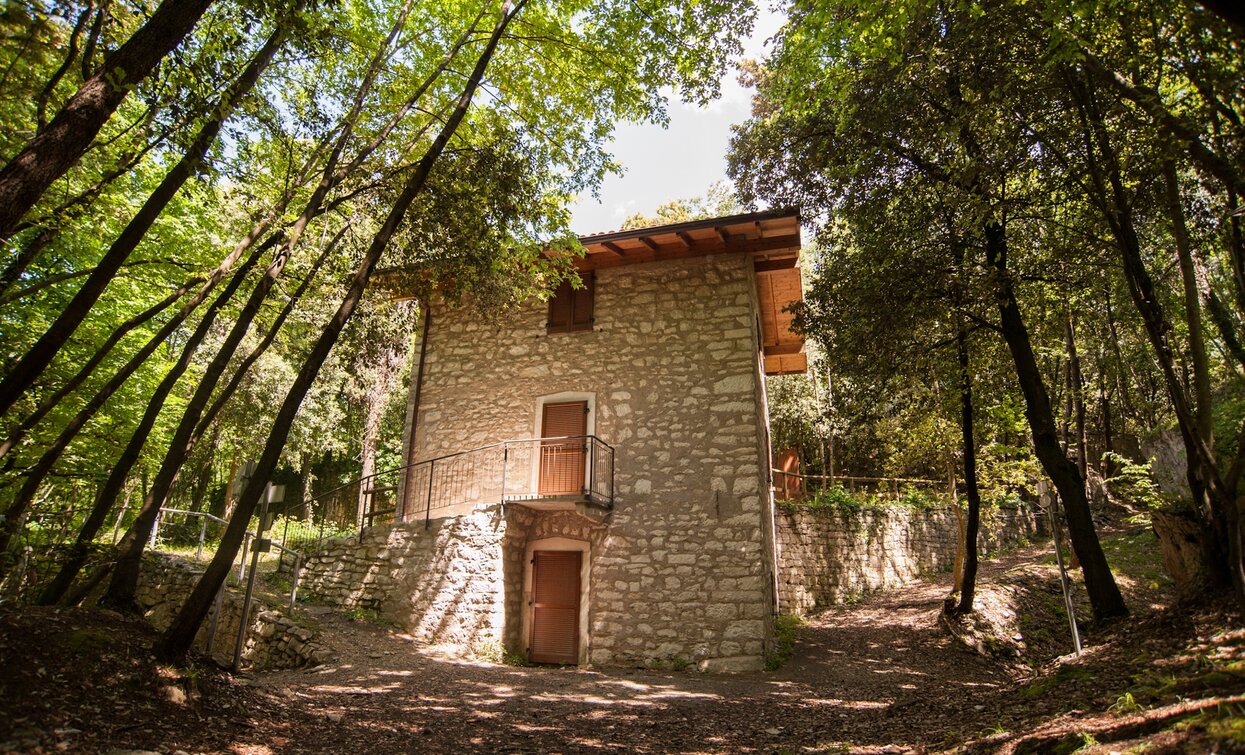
(723, 234)
(782, 263)
(687, 241)
(615, 248)
(703, 248)
(648, 242)
(789, 347)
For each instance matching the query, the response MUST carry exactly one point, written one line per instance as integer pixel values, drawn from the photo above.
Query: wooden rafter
(615, 248)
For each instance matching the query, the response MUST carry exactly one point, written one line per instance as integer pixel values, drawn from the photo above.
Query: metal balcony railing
(527, 471)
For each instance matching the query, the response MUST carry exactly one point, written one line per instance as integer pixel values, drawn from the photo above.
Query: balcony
(572, 473)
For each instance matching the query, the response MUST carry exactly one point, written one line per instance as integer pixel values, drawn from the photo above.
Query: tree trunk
(1076, 395)
(1214, 493)
(56, 148)
(1204, 420)
(178, 638)
(195, 420)
(968, 587)
(1104, 594)
(108, 492)
(52, 401)
(27, 369)
(36, 474)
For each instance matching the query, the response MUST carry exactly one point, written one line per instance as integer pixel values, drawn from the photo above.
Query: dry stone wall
(827, 555)
(273, 640)
(442, 584)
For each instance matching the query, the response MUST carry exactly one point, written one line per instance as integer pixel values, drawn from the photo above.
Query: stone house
(587, 480)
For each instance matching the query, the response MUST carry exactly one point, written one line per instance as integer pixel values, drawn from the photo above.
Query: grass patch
(785, 628)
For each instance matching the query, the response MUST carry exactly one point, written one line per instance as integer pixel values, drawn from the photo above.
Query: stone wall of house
(680, 569)
(827, 555)
(273, 639)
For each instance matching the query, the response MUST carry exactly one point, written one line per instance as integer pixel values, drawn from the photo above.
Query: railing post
(505, 467)
(246, 539)
(432, 467)
(285, 535)
(155, 532)
(202, 534)
(298, 568)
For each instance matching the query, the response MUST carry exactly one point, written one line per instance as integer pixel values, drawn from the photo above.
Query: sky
(677, 162)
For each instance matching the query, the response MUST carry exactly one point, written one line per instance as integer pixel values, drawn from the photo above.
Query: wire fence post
(246, 539)
(155, 532)
(298, 567)
(428, 509)
(1056, 535)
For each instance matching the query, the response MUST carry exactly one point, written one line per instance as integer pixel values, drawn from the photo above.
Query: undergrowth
(785, 627)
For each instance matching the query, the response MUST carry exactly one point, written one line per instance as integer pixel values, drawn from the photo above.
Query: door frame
(590, 428)
(585, 573)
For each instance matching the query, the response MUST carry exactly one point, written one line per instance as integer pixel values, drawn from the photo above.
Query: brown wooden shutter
(571, 309)
(555, 607)
(582, 303)
(561, 307)
(562, 461)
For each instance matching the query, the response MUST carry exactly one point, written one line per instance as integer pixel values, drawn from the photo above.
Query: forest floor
(880, 676)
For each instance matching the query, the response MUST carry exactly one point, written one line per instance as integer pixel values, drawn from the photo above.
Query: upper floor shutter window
(570, 309)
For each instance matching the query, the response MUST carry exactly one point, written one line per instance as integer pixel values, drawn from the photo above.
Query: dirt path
(878, 676)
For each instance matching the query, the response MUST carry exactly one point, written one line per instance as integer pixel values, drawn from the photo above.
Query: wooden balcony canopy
(772, 238)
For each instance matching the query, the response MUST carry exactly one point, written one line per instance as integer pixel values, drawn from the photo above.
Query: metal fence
(296, 559)
(579, 467)
(789, 486)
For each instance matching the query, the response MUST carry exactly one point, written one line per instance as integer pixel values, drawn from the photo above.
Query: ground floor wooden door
(555, 607)
(562, 461)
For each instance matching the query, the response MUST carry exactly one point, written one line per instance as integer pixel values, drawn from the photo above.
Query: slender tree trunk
(178, 638)
(195, 420)
(1214, 493)
(56, 148)
(27, 369)
(124, 582)
(1204, 419)
(230, 494)
(968, 586)
(87, 369)
(1104, 594)
(112, 487)
(36, 474)
(374, 413)
(1076, 397)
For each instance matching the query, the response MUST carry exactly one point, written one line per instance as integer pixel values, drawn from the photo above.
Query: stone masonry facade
(827, 555)
(681, 568)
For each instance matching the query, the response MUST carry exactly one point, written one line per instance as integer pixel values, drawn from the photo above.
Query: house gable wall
(683, 565)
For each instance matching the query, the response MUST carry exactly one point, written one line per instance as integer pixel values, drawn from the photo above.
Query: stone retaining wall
(826, 555)
(442, 584)
(273, 640)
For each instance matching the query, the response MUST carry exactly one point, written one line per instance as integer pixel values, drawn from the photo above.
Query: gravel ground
(880, 676)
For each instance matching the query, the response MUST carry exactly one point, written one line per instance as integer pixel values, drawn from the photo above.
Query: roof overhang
(771, 238)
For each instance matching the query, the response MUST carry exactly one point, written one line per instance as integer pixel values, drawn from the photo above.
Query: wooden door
(555, 607)
(562, 461)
